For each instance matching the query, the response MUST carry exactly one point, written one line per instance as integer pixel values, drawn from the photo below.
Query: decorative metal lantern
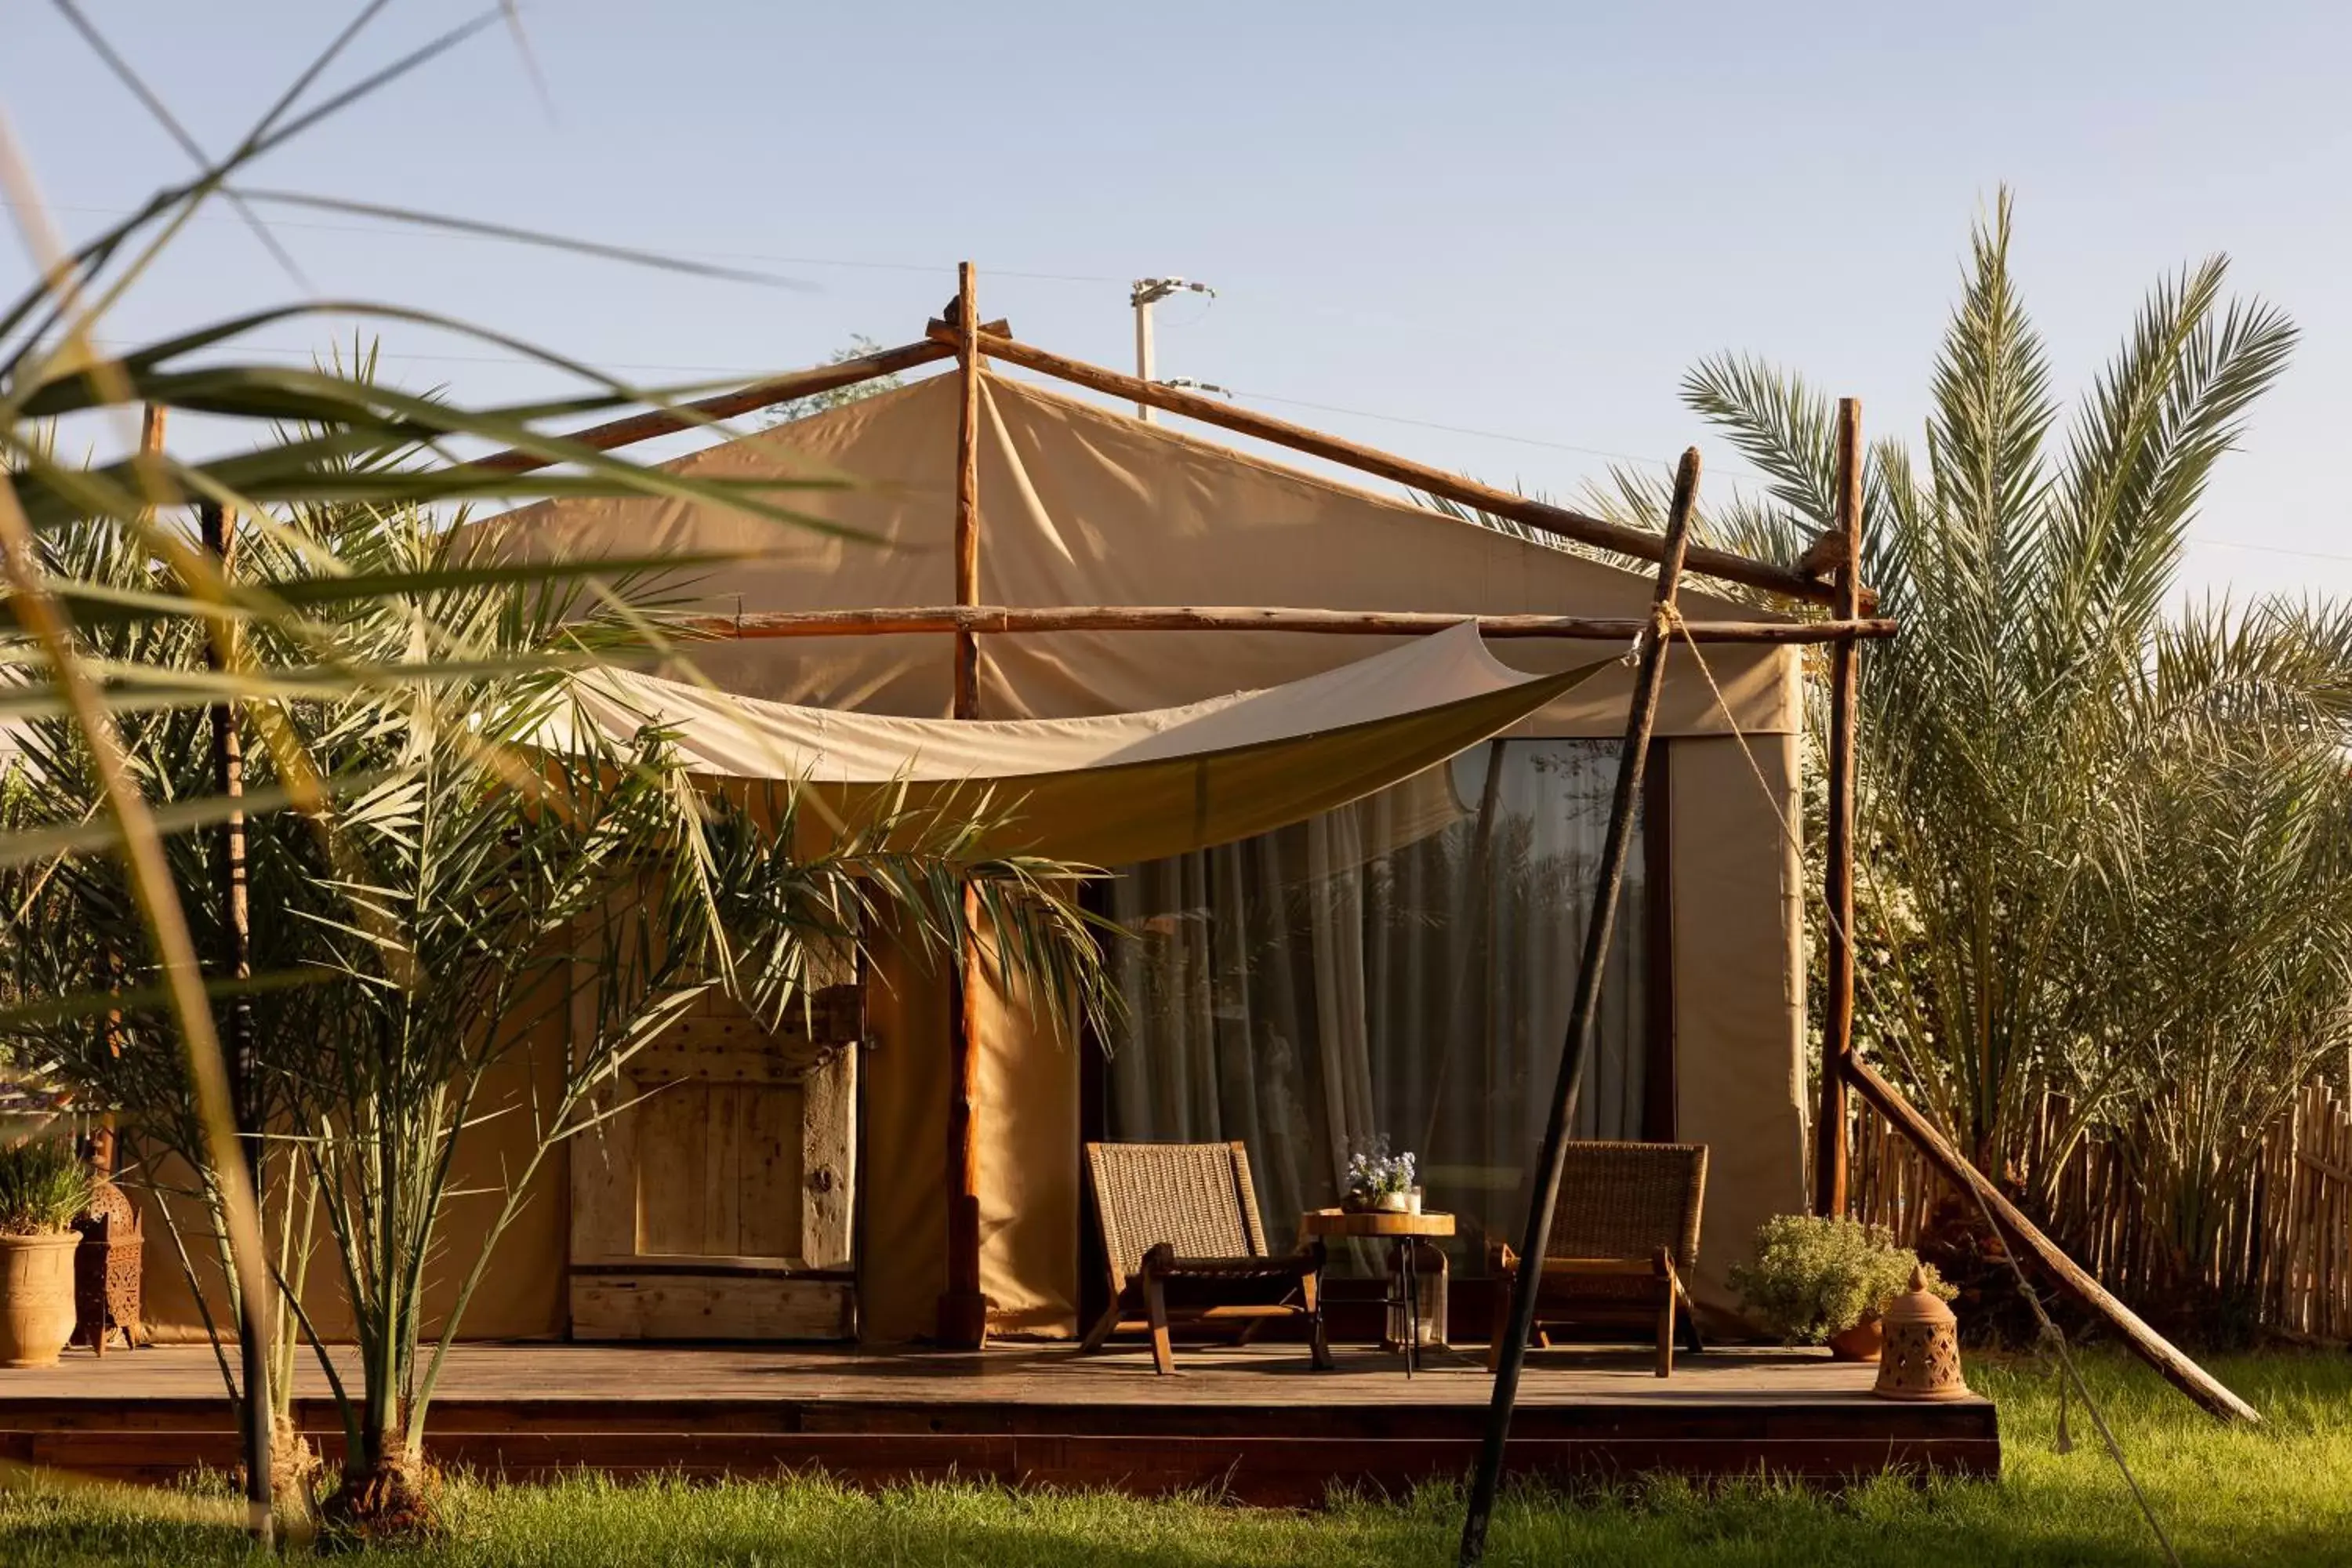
(1922, 1356)
(108, 1265)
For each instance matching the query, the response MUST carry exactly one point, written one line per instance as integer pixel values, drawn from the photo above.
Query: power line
(414, 232)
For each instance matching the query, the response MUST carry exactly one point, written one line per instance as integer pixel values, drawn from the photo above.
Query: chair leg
(1155, 1310)
(1318, 1347)
(1669, 1287)
(1104, 1326)
(1693, 1343)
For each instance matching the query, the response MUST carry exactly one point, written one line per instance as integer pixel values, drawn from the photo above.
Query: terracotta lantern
(1922, 1358)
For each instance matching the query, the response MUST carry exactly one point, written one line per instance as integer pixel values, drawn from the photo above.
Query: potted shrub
(1825, 1281)
(43, 1186)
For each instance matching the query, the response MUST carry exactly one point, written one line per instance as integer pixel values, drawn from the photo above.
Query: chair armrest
(1601, 1267)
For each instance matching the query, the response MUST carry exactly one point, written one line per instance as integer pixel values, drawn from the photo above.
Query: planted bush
(1814, 1277)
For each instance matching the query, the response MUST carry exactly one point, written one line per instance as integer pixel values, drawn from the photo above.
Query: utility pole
(1146, 293)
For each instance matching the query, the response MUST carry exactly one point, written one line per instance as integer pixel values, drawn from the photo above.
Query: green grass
(2282, 1495)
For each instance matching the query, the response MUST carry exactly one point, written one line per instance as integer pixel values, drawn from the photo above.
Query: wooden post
(1837, 1026)
(963, 1309)
(967, 502)
(1641, 720)
(236, 964)
(2026, 1237)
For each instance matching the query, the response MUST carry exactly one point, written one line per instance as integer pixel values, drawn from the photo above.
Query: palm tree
(2103, 836)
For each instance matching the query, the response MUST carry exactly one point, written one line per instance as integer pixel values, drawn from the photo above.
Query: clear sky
(1523, 221)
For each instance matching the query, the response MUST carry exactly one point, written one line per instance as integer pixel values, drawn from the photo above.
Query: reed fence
(2281, 1250)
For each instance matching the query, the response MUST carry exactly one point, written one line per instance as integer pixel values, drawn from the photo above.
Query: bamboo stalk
(998, 618)
(1640, 718)
(967, 503)
(743, 400)
(1556, 520)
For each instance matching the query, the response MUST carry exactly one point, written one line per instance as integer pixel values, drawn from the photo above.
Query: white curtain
(1386, 970)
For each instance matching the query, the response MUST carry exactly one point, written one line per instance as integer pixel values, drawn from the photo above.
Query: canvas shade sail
(1109, 788)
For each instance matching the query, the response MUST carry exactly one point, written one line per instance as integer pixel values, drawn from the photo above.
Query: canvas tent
(1081, 505)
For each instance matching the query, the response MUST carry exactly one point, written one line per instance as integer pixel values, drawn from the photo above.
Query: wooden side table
(1404, 1233)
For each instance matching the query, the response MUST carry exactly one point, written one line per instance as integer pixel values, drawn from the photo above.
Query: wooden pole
(987, 619)
(236, 964)
(2026, 1238)
(967, 502)
(758, 394)
(1641, 718)
(1558, 521)
(963, 1309)
(1837, 1026)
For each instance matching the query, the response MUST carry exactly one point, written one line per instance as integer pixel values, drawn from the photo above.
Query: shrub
(1814, 1277)
(43, 1186)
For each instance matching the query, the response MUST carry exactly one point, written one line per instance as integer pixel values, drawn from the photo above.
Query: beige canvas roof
(1081, 505)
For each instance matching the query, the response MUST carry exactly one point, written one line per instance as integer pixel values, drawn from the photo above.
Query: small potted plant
(1379, 1182)
(43, 1186)
(1825, 1281)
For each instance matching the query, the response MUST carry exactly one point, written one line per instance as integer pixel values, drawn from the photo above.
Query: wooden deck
(1256, 1424)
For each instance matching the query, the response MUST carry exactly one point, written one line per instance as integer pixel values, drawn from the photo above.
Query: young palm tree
(429, 920)
(2103, 837)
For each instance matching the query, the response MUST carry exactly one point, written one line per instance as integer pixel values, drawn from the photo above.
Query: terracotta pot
(1861, 1343)
(36, 1298)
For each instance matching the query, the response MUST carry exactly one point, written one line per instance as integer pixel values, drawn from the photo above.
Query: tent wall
(903, 1223)
(523, 1295)
(1737, 907)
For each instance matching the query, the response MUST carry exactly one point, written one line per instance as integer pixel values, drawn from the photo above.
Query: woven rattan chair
(1623, 1235)
(1181, 1232)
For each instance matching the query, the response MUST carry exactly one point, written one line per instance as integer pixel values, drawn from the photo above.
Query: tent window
(1400, 967)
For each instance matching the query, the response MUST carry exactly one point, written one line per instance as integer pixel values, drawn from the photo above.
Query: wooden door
(718, 1205)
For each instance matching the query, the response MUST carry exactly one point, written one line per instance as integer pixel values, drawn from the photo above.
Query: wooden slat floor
(1257, 1424)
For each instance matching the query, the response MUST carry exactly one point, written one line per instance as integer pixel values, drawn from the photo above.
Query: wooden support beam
(1837, 1029)
(963, 1309)
(1616, 847)
(967, 502)
(743, 400)
(1556, 520)
(2025, 1239)
(986, 619)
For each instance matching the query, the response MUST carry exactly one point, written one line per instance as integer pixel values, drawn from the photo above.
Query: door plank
(773, 1200)
(671, 1134)
(826, 1179)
